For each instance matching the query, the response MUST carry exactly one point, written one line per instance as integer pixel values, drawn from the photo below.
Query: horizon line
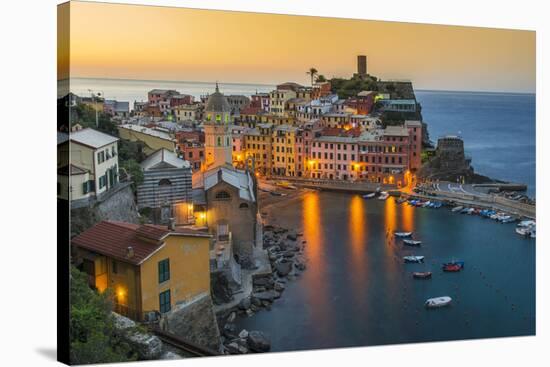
(275, 84)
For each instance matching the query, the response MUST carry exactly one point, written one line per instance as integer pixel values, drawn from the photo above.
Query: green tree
(85, 116)
(92, 334)
(133, 168)
(312, 72)
(321, 78)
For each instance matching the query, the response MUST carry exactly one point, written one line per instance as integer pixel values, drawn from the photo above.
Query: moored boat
(403, 234)
(438, 302)
(412, 242)
(369, 196)
(413, 259)
(457, 209)
(422, 274)
(383, 195)
(452, 268)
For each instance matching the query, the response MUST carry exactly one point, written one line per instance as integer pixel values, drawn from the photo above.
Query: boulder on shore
(258, 342)
(283, 267)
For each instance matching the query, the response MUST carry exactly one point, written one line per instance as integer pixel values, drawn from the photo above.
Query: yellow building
(147, 267)
(257, 147)
(153, 139)
(282, 151)
(278, 99)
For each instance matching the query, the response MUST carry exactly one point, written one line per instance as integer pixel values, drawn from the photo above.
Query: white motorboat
(457, 209)
(413, 259)
(523, 231)
(412, 242)
(383, 195)
(526, 223)
(403, 234)
(369, 196)
(438, 302)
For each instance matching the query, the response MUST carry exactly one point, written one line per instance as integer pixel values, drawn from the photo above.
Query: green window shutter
(85, 187)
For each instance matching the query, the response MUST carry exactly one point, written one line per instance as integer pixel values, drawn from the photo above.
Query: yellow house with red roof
(148, 267)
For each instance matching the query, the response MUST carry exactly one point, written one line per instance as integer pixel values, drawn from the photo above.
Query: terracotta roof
(112, 239)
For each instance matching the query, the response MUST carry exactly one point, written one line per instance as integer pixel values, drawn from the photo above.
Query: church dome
(217, 102)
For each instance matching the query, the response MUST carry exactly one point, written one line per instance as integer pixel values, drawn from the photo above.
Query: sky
(181, 44)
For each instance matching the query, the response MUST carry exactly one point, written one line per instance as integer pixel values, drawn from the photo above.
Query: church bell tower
(218, 141)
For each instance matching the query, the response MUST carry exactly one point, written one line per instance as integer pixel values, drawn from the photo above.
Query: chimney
(129, 252)
(172, 224)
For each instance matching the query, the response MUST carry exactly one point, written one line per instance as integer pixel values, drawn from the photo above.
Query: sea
(498, 128)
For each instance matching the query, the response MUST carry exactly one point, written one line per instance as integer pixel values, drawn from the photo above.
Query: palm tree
(312, 72)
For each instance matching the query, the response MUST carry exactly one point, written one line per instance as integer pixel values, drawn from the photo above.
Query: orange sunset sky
(163, 43)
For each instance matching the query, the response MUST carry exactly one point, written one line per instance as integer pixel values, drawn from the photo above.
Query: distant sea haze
(498, 128)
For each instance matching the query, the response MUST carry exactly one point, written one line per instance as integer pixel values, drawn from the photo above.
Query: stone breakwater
(285, 249)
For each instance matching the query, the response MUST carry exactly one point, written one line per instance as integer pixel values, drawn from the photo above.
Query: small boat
(401, 200)
(413, 259)
(438, 302)
(457, 209)
(422, 274)
(523, 231)
(383, 195)
(403, 234)
(412, 242)
(369, 196)
(533, 234)
(453, 266)
(275, 193)
(526, 223)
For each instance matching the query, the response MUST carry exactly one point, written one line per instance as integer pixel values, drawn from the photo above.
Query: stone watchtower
(362, 65)
(218, 143)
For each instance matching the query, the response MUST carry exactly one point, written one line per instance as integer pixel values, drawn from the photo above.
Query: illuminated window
(164, 301)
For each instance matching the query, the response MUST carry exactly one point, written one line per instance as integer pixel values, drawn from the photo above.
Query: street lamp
(95, 105)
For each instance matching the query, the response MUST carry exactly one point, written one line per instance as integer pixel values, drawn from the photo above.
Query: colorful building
(149, 268)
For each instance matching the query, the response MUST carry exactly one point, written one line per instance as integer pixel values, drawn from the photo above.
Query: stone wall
(194, 321)
(119, 206)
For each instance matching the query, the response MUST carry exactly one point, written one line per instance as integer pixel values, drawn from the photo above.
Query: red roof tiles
(112, 239)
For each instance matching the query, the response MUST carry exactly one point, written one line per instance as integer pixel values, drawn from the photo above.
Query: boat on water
(523, 231)
(453, 266)
(413, 259)
(438, 302)
(533, 234)
(457, 209)
(412, 242)
(401, 200)
(402, 234)
(369, 196)
(527, 223)
(422, 274)
(383, 195)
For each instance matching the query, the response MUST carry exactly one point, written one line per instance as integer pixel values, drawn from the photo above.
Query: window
(243, 206)
(222, 195)
(165, 182)
(164, 301)
(164, 270)
(115, 267)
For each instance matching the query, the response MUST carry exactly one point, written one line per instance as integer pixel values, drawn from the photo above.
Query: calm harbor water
(357, 291)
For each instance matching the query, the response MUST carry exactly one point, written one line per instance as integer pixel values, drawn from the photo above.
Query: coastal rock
(292, 236)
(236, 348)
(258, 342)
(243, 334)
(244, 304)
(267, 296)
(300, 265)
(170, 355)
(279, 287)
(289, 253)
(147, 346)
(263, 282)
(232, 316)
(283, 268)
(229, 330)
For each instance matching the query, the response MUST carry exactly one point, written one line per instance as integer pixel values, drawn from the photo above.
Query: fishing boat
(413, 259)
(457, 209)
(412, 242)
(438, 302)
(383, 195)
(403, 234)
(369, 196)
(422, 274)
